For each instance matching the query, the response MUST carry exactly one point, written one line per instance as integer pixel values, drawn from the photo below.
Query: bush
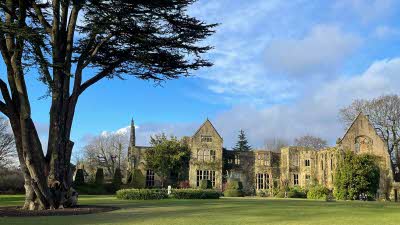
(79, 177)
(318, 192)
(142, 194)
(205, 184)
(195, 194)
(138, 180)
(262, 193)
(233, 193)
(357, 175)
(234, 188)
(99, 176)
(184, 184)
(11, 182)
(293, 192)
(234, 184)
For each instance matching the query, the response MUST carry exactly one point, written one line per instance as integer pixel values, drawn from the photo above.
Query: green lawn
(222, 211)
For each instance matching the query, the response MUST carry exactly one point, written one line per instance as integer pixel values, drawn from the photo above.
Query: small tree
(117, 179)
(167, 156)
(137, 179)
(79, 177)
(242, 144)
(356, 175)
(99, 177)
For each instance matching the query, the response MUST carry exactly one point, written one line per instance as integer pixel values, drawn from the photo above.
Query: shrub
(205, 184)
(233, 193)
(142, 194)
(11, 182)
(234, 184)
(79, 177)
(138, 180)
(99, 176)
(292, 192)
(234, 188)
(357, 175)
(194, 194)
(262, 193)
(184, 184)
(318, 192)
(117, 179)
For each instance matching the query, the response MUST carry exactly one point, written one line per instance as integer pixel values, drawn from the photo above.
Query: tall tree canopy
(152, 40)
(309, 141)
(168, 157)
(384, 115)
(242, 144)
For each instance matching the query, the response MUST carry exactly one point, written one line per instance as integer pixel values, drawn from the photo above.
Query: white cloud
(316, 113)
(319, 52)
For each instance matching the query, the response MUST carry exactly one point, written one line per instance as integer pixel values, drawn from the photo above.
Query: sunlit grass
(223, 211)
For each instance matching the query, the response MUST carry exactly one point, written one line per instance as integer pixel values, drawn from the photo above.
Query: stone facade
(266, 170)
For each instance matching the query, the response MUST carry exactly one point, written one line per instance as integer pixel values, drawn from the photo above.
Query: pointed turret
(132, 139)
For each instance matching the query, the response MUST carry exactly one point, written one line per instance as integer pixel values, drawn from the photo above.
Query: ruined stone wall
(361, 138)
(267, 162)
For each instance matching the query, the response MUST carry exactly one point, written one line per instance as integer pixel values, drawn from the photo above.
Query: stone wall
(206, 154)
(360, 138)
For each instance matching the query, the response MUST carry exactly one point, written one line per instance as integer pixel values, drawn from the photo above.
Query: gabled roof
(361, 114)
(207, 121)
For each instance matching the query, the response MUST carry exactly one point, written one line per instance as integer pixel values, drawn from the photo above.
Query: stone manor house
(265, 170)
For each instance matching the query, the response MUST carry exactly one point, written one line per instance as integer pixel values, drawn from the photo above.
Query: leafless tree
(106, 150)
(275, 144)
(310, 141)
(384, 115)
(7, 144)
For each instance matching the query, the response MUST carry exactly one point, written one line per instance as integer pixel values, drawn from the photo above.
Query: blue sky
(282, 69)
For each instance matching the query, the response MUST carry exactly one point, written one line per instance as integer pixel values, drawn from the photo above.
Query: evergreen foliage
(138, 180)
(195, 194)
(318, 192)
(142, 194)
(168, 156)
(242, 143)
(234, 188)
(117, 179)
(99, 176)
(79, 177)
(356, 175)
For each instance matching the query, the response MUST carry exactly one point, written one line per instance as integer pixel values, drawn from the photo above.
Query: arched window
(212, 155)
(200, 155)
(206, 155)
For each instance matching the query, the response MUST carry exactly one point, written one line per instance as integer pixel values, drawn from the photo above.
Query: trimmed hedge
(233, 193)
(142, 194)
(195, 194)
(293, 192)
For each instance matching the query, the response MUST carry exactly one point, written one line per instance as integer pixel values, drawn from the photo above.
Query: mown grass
(223, 211)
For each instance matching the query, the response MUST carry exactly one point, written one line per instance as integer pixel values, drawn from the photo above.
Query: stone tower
(132, 138)
(131, 147)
